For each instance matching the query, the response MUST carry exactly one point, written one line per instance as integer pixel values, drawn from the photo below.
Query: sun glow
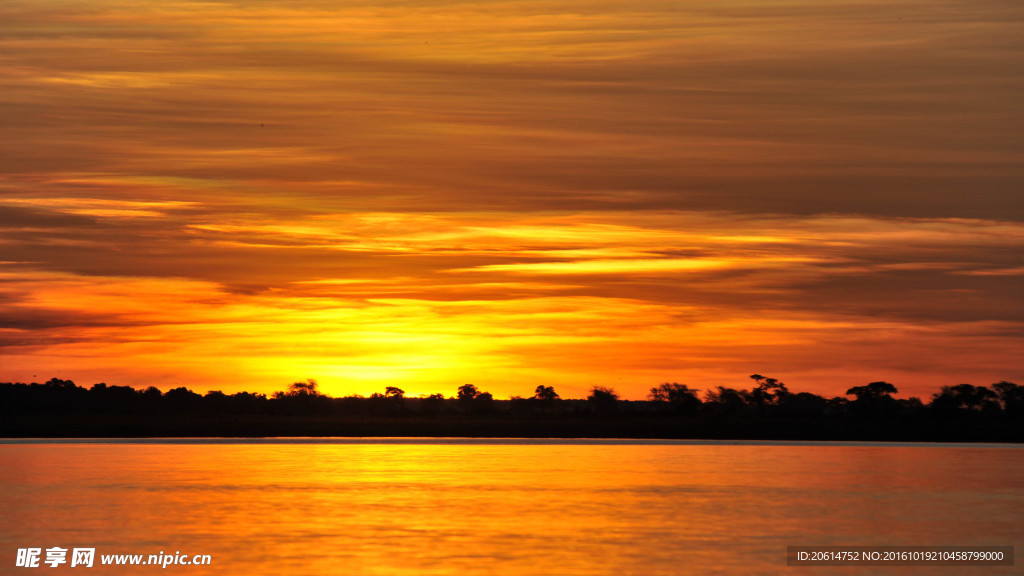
(238, 197)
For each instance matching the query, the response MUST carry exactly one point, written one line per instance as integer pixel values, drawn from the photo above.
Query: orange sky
(236, 196)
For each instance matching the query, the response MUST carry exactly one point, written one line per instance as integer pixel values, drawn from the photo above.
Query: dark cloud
(20, 220)
(36, 319)
(902, 109)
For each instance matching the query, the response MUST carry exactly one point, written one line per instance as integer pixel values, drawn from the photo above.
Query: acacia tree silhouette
(873, 391)
(301, 389)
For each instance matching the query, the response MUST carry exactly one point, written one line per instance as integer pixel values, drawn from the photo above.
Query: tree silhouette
(431, 404)
(545, 393)
(603, 393)
(1011, 397)
(769, 391)
(474, 400)
(680, 397)
(726, 400)
(468, 393)
(61, 384)
(962, 412)
(912, 405)
(874, 399)
(804, 404)
(301, 398)
(604, 399)
(965, 397)
(873, 391)
(152, 393)
(307, 389)
(182, 399)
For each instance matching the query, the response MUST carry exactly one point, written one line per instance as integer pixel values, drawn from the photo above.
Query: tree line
(766, 398)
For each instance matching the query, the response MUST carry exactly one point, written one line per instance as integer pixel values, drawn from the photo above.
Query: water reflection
(505, 508)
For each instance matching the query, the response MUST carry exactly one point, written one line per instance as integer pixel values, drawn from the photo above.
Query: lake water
(385, 507)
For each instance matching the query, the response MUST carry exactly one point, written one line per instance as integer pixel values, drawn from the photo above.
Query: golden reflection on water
(501, 508)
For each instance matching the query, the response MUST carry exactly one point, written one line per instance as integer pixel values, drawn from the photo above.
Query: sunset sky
(239, 195)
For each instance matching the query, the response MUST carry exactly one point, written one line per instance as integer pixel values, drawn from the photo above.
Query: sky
(423, 194)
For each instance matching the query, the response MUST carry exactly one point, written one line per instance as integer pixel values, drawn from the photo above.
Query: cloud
(553, 190)
(895, 109)
(14, 218)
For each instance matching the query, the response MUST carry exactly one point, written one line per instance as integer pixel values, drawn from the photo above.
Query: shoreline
(632, 427)
(465, 441)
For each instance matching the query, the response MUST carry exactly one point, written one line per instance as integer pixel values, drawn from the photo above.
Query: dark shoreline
(962, 413)
(505, 426)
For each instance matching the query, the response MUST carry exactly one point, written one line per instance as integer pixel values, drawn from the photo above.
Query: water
(501, 507)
